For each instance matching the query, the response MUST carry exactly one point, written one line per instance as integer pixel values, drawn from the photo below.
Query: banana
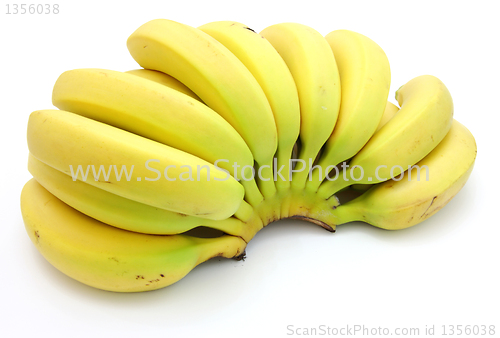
(212, 72)
(165, 80)
(190, 185)
(143, 175)
(390, 111)
(127, 214)
(365, 79)
(401, 204)
(157, 112)
(274, 77)
(424, 119)
(313, 66)
(108, 258)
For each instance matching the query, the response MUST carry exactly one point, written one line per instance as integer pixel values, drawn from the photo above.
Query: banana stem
(283, 157)
(329, 188)
(266, 179)
(250, 217)
(252, 193)
(346, 213)
(301, 172)
(224, 246)
(233, 226)
(244, 212)
(319, 174)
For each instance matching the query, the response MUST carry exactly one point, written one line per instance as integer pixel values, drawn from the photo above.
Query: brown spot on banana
(433, 199)
(315, 221)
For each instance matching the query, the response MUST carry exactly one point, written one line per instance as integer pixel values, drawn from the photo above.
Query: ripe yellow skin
(401, 204)
(424, 119)
(165, 80)
(155, 111)
(390, 111)
(125, 213)
(82, 141)
(149, 109)
(275, 79)
(109, 258)
(224, 92)
(213, 73)
(314, 69)
(365, 78)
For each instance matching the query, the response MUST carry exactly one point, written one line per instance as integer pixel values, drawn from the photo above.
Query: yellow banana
(312, 64)
(109, 258)
(157, 112)
(273, 75)
(365, 79)
(422, 122)
(143, 175)
(400, 204)
(125, 213)
(163, 79)
(390, 111)
(189, 185)
(211, 71)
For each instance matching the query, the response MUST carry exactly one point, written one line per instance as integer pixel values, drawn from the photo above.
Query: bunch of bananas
(142, 175)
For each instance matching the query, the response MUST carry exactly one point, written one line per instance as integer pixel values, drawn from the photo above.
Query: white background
(444, 271)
